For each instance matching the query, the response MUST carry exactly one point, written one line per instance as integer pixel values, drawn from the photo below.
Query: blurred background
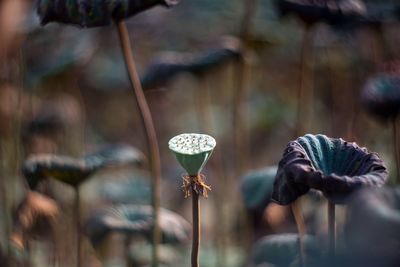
(64, 90)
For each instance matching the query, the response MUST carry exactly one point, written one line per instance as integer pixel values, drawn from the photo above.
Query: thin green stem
(301, 228)
(150, 134)
(331, 229)
(196, 228)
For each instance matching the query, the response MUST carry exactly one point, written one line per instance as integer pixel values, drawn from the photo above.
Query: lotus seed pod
(192, 150)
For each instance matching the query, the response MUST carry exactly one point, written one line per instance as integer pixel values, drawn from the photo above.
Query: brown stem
(196, 228)
(331, 229)
(301, 228)
(305, 91)
(395, 149)
(150, 132)
(78, 228)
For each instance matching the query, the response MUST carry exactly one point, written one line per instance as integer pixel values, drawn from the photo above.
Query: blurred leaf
(69, 49)
(170, 64)
(283, 249)
(381, 95)
(89, 13)
(140, 255)
(74, 171)
(333, 166)
(33, 218)
(257, 187)
(127, 191)
(337, 13)
(373, 219)
(136, 220)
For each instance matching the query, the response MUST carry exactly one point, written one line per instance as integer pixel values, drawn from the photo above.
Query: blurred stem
(331, 229)
(150, 133)
(78, 227)
(239, 111)
(301, 228)
(305, 91)
(396, 149)
(196, 228)
(216, 166)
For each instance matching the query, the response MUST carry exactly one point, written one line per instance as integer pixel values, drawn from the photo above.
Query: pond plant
(282, 250)
(381, 97)
(75, 171)
(102, 13)
(340, 14)
(373, 219)
(135, 221)
(193, 151)
(333, 166)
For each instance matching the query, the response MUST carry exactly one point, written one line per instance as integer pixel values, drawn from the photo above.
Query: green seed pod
(192, 151)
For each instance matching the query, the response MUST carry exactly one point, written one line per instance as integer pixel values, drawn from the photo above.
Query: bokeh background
(65, 90)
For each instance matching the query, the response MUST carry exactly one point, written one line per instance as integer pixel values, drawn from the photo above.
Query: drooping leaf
(94, 13)
(381, 95)
(333, 12)
(74, 171)
(282, 250)
(257, 187)
(372, 225)
(137, 220)
(331, 165)
(170, 64)
(192, 150)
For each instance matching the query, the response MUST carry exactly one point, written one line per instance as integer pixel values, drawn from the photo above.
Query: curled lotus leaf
(257, 188)
(137, 220)
(373, 219)
(192, 150)
(333, 12)
(381, 95)
(74, 171)
(283, 250)
(94, 13)
(331, 165)
(170, 64)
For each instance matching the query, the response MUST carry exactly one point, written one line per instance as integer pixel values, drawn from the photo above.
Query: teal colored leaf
(331, 165)
(257, 187)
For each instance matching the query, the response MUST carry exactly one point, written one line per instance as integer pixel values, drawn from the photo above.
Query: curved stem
(301, 228)
(331, 229)
(78, 228)
(196, 228)
(395, 149)
(150, 132)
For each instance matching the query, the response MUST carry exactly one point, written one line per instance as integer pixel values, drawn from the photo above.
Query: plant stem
(196, 228)
(305, 91)
(395, 149)
(301, 228)
(150, 132)
(331, 229)
(78, 227)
